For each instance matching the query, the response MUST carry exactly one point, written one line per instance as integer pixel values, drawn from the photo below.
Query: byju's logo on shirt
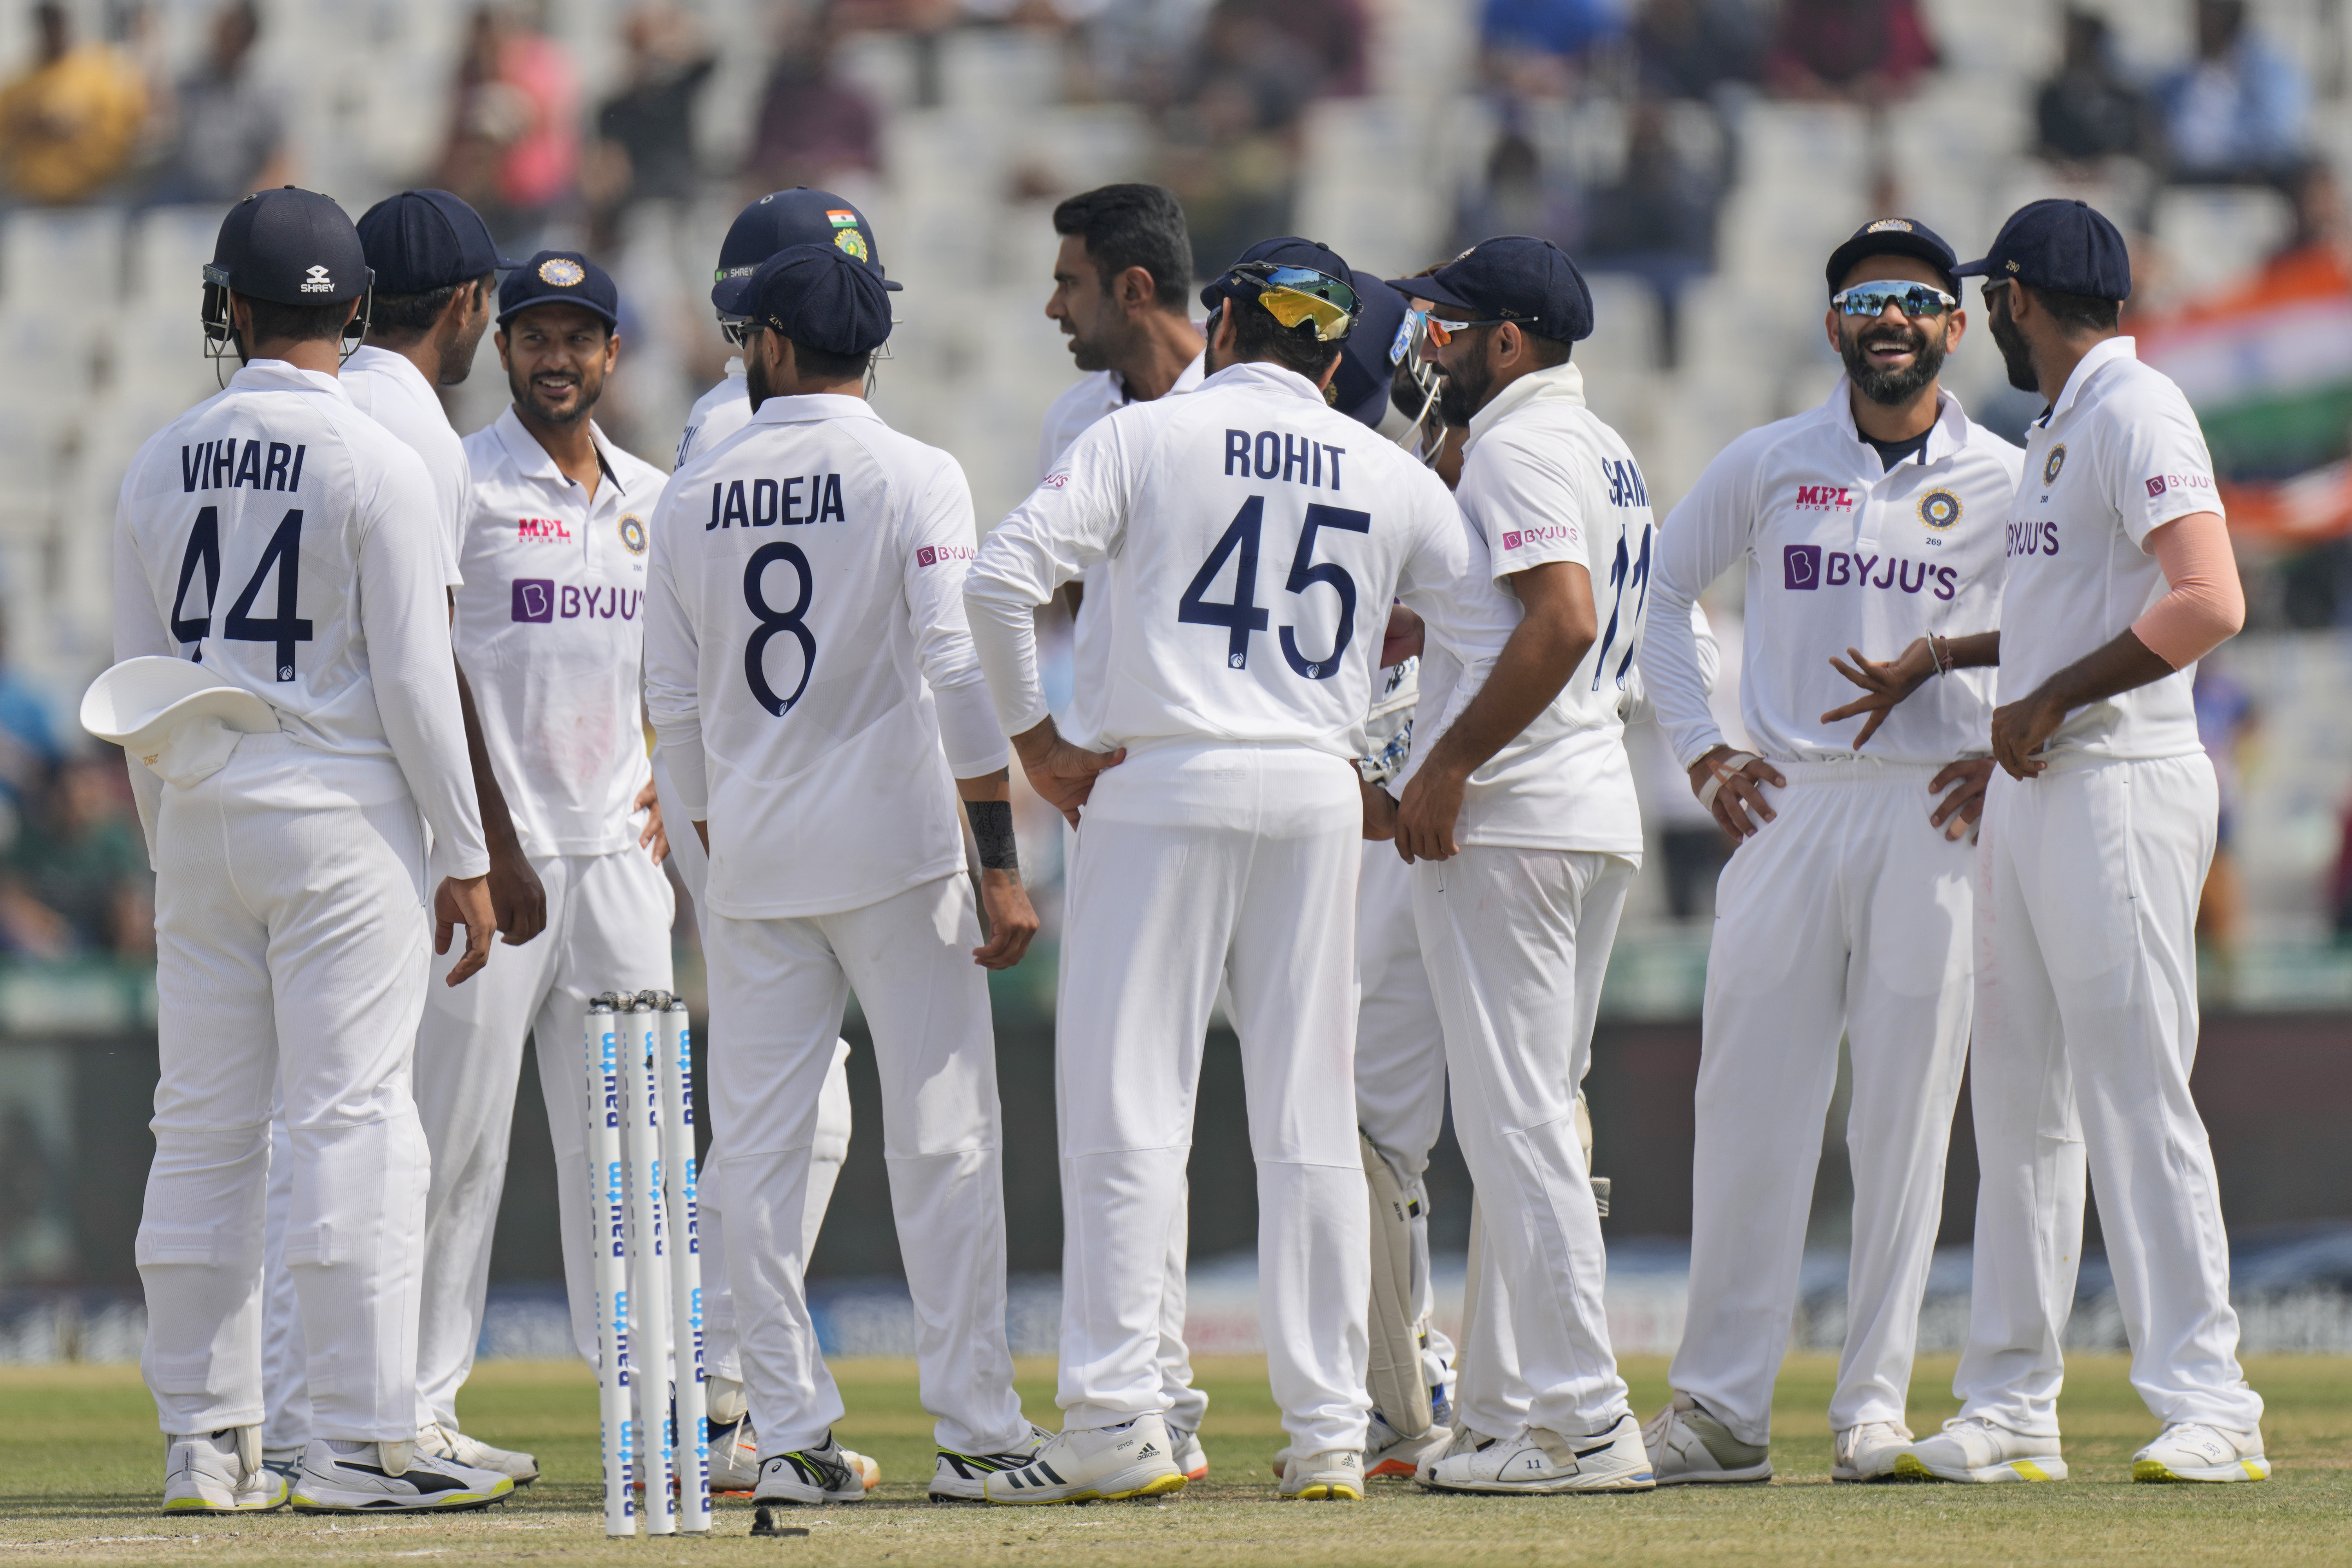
(932, 555)
(1805, 567)
(1542, 533)
(540, 600)
(2161, 483)
(1824, 498)
(534, 599)
(1800, 566)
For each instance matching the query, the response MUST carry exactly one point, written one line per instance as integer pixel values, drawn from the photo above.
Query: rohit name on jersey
(227, 463)
(1806, 568)
(1274, 455)
(765, 503)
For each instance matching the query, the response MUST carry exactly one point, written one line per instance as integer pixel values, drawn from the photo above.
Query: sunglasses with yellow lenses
(1295, 294)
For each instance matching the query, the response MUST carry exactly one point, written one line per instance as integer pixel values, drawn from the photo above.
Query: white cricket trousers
(778, 988)
(1400, 1064)
(1199, 861)
(1516, 942)
(2085, 1031)
(1847, 914)
(290, 936)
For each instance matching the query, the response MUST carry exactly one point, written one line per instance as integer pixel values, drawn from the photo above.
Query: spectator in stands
(2088, 112)
(814, 123)
(1541, 49)
(29, 743)
(1333, 34)
(76, 881)
(229, 135)
(1656, 220)
(1523, 192)
(514, 139)
(1856, 51)
(645, 147)
(1232, 134)
(1688, 48)
(2235, 113)
(69, 125)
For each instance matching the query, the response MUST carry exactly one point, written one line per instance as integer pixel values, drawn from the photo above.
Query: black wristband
(991, 829)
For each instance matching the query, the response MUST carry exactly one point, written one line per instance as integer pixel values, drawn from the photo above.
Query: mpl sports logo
(1824, 498)
(1542, 533)
(932, 555)
(544, 529)
(2159, 483)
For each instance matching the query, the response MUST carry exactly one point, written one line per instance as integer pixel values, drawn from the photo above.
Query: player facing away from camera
(1874, 521)
(271, 534)
(2097, 833)
(436, 272)
(774, 222)
(819, 707)
(1521, 815)
(1246, 540)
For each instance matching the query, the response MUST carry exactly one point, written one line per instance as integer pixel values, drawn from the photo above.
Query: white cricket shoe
(734, 1458)
(1867, 1452)
(2192, 1452)
(958, 1478)
(1541, 1461)
(1971, 1449)
(1095, 1463)
(1336, 1475)
(826, 1473)
(444, 1442)
(206, 1473)
(1386, 1451)
(1689, 1446)
(339, 1477)
(1191, 1457)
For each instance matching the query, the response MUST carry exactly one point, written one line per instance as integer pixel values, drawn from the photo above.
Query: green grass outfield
(83, 1477)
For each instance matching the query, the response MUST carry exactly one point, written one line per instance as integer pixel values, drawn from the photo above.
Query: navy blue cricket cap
(422, 240)
(559, 278)
(1894, 237)
(289, 246)
(1514, 277)
(1359, 389)
(2064, 245)
(779, 220)
(1300, 282)
(822, 296)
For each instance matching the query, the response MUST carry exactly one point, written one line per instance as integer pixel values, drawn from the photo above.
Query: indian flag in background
(2268, 367)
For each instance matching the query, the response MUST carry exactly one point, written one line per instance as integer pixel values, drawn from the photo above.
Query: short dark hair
(823, 364)
(1548, 352)
(1134, 225)
(1257, 335)
(2081, 309)
(399, 315)
(274, 323)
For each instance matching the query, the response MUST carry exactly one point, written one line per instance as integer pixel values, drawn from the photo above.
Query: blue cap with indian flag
(779, 220)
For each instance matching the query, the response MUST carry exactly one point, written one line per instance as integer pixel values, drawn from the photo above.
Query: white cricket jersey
(268, 533)
(1091, 396)
(389, 389)
(1246, 540)
(716, 415)
(1842, 553)
(807, 663)
(550, 631)
(1543, 479)
(2118, 455)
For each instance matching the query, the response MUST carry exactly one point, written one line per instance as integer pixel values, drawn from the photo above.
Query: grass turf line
(83, 1469)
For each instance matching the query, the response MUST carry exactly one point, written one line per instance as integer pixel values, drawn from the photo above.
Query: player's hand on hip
(2019, 730)
(1064, 775)
(655, 839)
(1738, 803)
(465, 903)
(1887, 682)
(1426, 817)
(1380, 814)
(1011, 922)
(1958, 811)
(517, 901)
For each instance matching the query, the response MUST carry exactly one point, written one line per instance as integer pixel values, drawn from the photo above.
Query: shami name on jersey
(227, 463)
(1274, 455)
(764, 503)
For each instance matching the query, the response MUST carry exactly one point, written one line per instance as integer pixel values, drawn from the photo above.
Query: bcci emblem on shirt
(1939, 509)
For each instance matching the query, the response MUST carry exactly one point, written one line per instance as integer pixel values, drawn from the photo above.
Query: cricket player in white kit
(1874, 521)
(269, 534)
(1218, 841)
(2096, 838)
(1523, 817)
(820, 708)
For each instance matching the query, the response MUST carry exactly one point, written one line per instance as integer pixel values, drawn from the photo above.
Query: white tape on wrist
(1723, 769)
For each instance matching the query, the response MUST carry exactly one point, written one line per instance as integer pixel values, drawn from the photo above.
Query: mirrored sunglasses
(1911, 299)
(1295, 294)
(1440, 332)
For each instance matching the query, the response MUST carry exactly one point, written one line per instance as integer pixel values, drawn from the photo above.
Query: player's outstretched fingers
(1740, 804)
(1958, 811)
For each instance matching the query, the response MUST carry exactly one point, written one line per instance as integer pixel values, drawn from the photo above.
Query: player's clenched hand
(517, 901)
(1426, 816)
(1010, 922)
(655, 839)
(464, 902)
(1404, 638)
(1740, 805)
(1380, 814)
(1064, 775)
(1888, 682)
(1958, 811)
(2019, 730)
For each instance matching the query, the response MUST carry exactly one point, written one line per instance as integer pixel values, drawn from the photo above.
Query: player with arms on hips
(1218, 842)
(290, 689)
(819, 707)
(1522, 816)
(2097, 833)
(1873, 520)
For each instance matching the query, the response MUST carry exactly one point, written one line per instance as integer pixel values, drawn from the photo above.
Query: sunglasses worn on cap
(1295, 294)
(1911, 299)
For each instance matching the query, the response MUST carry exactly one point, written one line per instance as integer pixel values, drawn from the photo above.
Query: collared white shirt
(807, 664)
(717, 414)
(1543, 479)
(389, 389)
(269, 533)
(550, 630)
(2117, 455)
(1841, 552)
(1092, 395)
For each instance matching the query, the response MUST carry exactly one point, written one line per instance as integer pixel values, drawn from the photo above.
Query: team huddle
(1364, 598)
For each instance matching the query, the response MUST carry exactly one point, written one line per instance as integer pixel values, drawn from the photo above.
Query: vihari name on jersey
(227, 463)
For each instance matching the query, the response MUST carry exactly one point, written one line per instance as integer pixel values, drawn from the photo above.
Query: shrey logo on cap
(562, 271)
(1883, 225)
(318, 282)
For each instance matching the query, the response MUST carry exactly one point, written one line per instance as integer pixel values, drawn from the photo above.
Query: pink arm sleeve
(2206, 606)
